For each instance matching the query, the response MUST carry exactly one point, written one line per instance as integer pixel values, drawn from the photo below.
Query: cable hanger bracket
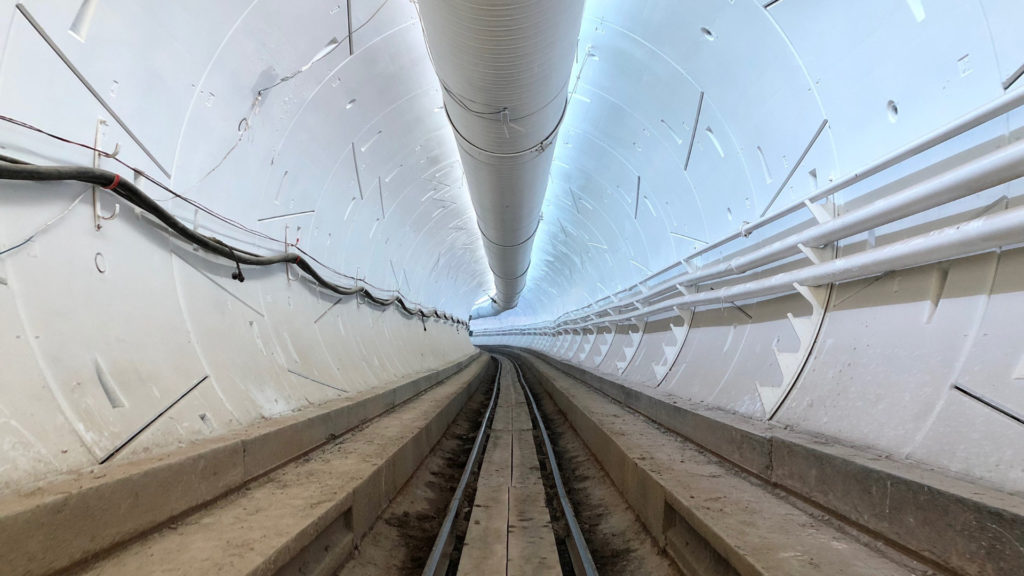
(97, 214)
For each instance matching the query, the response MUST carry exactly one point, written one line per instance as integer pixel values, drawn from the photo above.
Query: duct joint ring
(496, 275)
(539, 147)
(517, 244)
(504, 109)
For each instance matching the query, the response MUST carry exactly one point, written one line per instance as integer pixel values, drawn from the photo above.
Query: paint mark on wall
(672, 132)
(285, 216)
(83, 20)
(917, 8)
(714, 141)
(110, 389)
(370, 142)
(693, 133)
(207, 422)
(764, 166)
(964, 65)
(1018, 373)
(291, 348)
(938, 287)
(280, 188)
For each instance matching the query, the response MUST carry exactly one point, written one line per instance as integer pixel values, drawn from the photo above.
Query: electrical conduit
(504, 69)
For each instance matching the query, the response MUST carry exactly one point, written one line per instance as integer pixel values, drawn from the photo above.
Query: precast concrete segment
(62, 523)
(711, 517)
(275, 523)
(971, 529)
(510, 528)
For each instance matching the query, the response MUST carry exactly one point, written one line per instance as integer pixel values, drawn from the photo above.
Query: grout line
(693, 131)
(81, 78)
(1012, 79)
(300, 375)
(355, 163)
(991, 403)
(796, 165)
(151, 421)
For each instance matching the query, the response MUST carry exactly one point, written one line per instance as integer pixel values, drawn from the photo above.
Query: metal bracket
(817, 255)
(97, 215)
(588, 343)
(604, 346)
(631, 349)
(661, 369)
(823, 212)
(790, 363)
(287, 265)
(816, 295)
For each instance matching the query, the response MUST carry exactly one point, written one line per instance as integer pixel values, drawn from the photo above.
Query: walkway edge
(971, 529)
(68, 521)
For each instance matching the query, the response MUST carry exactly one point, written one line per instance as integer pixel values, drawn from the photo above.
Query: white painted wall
(881, 371)
(186, 78)
(88, 356)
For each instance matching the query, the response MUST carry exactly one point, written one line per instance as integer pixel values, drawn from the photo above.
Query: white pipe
(988, 171)
(992, 169)
(1002, 229)
(504, 68)
(993, 231)
(1002, 105)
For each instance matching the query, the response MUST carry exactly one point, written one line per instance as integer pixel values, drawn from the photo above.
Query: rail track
(511, 526)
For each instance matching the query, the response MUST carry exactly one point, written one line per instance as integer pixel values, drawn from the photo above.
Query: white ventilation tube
(504, 69)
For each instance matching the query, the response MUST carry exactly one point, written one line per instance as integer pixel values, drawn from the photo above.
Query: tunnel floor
(401, 538)
(374, 498)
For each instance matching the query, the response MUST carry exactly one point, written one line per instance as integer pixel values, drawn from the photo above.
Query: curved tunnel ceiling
(262, 121)
(685, 120)
(765, 80)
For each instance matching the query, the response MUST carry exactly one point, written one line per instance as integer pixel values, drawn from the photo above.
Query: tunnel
(512, 286)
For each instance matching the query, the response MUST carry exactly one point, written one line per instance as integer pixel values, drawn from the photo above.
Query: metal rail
(442, 544)
(583, 563)
(981, 234)
(985, 172)
(994, 109)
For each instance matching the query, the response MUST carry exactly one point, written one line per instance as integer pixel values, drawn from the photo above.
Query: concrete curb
(961, 526)
(355, 514)
(68, 521)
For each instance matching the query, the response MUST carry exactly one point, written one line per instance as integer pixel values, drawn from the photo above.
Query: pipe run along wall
(504, 70)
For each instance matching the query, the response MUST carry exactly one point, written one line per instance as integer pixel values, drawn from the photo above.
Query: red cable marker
(117, 180)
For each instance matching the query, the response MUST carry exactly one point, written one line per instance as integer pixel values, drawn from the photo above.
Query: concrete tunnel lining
(685, 121)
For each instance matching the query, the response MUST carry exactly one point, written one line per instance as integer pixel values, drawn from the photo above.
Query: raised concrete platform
(958, 525)
(712, 517)
(303, 518)
(65, 522)
(510, 526)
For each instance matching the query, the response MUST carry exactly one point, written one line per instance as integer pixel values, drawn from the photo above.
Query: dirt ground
(617, 539)
(401, 539)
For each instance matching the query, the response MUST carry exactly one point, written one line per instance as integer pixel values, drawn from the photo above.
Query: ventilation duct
(504, 69)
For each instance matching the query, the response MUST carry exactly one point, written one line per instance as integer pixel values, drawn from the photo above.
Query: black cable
(181, 197)
(14, 169)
